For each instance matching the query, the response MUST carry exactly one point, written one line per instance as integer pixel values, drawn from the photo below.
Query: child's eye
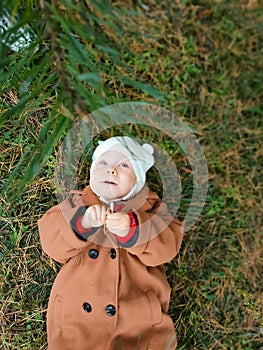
(124, 165)
(103, 163)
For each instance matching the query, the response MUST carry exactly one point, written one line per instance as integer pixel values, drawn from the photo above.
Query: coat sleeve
(160, 236)
(58, 239)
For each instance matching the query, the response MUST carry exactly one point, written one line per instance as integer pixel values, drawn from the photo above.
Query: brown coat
(108, 297)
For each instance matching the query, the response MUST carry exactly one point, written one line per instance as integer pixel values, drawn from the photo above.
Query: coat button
(110, 310)
(113, 253)
(87, 307)
(93, 254)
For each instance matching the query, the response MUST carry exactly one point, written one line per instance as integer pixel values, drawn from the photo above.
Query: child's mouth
(109, 183)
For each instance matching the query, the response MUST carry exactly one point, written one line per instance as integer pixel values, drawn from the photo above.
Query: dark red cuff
(80, 231)
(132, 232)
(79, 227)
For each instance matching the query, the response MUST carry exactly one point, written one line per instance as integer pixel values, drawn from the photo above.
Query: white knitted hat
(141, 158)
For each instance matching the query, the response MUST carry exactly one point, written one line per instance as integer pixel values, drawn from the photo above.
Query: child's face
(113, 175)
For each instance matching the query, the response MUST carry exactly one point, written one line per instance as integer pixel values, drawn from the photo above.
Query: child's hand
(118, 223)
(94, 216)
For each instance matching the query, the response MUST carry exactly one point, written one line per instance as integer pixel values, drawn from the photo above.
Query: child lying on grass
(113, 241)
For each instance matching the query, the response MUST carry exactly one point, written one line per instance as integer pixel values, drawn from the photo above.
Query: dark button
(87, 307)
(110, 310)
(93, 254)
(113, 253)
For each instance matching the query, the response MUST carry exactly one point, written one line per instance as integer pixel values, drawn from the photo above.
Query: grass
(206, 57)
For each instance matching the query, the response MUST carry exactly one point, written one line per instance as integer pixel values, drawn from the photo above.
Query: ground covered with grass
(206, 59)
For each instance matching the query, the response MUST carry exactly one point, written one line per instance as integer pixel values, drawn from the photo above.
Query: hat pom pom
(148, 148)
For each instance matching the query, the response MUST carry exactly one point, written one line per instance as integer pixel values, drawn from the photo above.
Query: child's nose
(112, 171)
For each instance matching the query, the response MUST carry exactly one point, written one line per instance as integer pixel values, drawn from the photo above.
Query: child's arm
(159, 236)
(59, 233)
(164, 240)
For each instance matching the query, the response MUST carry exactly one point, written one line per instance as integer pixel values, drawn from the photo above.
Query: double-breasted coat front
(110, 295)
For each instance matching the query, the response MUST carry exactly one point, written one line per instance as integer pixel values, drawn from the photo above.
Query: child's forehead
(113, 155)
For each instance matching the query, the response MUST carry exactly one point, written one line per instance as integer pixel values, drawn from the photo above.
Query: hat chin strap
(135, 189)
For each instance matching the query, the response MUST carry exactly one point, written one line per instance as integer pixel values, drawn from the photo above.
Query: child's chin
(111, 196)
(107, 195)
